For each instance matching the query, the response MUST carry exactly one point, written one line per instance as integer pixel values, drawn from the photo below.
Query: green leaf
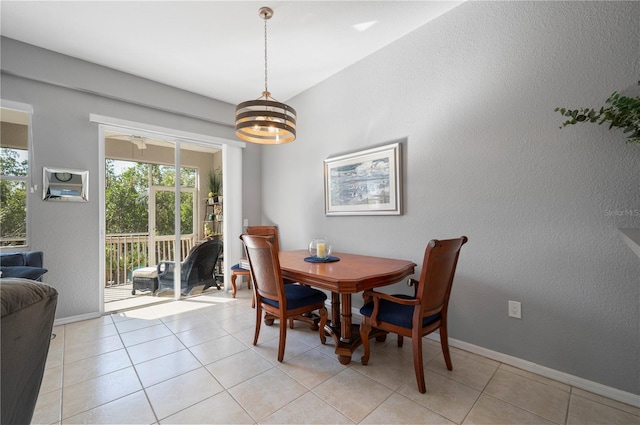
(622, 112)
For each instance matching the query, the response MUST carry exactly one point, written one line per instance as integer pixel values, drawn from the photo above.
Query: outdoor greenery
(127, 199)
(623, 112)
(117, 262)
(127, 207)
(13, 197)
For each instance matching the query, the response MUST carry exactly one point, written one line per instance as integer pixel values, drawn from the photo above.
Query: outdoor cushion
(149, 272)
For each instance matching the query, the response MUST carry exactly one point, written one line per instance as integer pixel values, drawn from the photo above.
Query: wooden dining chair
(279, 301)
(236, 270)
(421, 314)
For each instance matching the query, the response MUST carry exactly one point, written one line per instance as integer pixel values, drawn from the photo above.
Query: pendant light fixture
(265, 120)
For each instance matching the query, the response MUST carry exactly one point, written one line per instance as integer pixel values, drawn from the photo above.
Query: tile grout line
(208, 315)
(144, 390)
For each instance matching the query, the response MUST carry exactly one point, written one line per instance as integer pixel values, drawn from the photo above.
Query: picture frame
(366, 182)
(65, 184)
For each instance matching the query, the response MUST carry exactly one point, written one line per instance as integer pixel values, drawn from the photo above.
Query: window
(14, 176)
(127, 193)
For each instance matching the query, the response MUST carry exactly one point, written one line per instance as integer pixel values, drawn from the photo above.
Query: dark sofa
(27, 265)
(28, 312)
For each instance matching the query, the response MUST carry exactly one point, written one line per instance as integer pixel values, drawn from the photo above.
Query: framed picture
(364, 183)
(63, 184)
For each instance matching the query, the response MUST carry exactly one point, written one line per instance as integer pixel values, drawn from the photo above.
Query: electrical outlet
(245, 222)
(515, 309)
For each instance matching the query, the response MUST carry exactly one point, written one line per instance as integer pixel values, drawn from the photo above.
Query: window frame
(28, 179)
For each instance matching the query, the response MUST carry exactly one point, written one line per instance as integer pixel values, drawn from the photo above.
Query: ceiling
(216, 48)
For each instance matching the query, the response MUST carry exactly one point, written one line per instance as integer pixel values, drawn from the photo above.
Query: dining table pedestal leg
(332, 328)
(345, 334)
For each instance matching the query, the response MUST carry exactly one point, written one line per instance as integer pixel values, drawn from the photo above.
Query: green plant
(215, 181)
(623, 112)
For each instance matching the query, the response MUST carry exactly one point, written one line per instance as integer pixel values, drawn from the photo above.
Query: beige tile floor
(192, 361)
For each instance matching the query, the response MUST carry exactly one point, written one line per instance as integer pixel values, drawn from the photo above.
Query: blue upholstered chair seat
(398, 314)
(299, 296)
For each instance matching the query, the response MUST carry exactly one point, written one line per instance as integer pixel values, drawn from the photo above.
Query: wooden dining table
(353, 273)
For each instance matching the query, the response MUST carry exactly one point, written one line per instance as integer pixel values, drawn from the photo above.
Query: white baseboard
(565, 378)
(71, 319)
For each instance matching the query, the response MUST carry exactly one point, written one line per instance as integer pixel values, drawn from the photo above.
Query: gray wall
(471, 96)
(63, 92)
(251, 188)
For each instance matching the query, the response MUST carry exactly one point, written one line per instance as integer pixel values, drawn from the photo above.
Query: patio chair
(198, 269)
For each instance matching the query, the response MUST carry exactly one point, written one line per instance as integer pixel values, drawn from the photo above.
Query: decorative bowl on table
(320, 248)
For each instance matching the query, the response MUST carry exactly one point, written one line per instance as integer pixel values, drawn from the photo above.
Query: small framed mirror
(64, 184)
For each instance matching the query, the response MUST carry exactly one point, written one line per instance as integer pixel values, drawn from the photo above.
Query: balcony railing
(130, 251)
(17, 242)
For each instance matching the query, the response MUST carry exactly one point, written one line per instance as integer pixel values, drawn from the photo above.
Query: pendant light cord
(266, 88)
(265, 120)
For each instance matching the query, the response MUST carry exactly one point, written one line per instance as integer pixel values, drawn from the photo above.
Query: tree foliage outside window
(127, 208)
(164, 176)
(127, 198)
(14, 169)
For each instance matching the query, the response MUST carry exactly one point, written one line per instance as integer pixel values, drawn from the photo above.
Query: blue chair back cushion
(397, 314)
(299, 296)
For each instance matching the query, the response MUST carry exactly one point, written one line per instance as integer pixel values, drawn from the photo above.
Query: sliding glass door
(146, 223)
